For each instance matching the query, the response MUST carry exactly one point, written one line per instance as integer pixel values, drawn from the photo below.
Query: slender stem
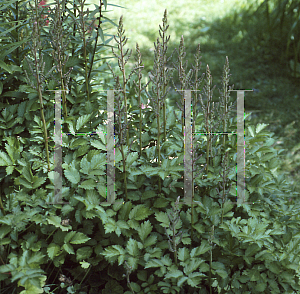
(36, 45)
(197, 57)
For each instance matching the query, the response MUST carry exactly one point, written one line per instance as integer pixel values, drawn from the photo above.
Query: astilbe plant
(209, 202)
(18, 114)
(138, 245)
(122, 88)
(39, 66)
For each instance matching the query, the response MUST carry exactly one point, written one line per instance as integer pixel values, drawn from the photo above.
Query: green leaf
(6, 67)
(144, 230)
(53, 250)
(97, 144)
(4, 159)
(84, 264)
(139, 212)
(273, 267)
(200, 249)
(4, 230)
(5, 241)
(131, 158)
(88, 184)
(251, 131)
(9, 170)
(72, 175)
(24, 183)
(36, 258)
(260, 127)
(113, 251)
(68, 248)
(192, 265)
(183, 254)
(84, 253)
(77, 142)
(54, 220)
(261, 287)
(151, 240)
(174, 274)
(69, 236)
(195, 279)
(101, 33)
(102, 190)
(79, 238)
(153, 263)
(199, 228)
(163, 218)
(133, 247)
(82, 121)
(37, 182)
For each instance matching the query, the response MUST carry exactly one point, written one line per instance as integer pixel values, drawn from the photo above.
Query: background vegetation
(258, 54)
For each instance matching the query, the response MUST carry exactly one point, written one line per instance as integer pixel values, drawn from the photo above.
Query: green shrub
(137, 244)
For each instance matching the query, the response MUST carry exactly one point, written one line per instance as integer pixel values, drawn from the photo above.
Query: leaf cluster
(136, 244)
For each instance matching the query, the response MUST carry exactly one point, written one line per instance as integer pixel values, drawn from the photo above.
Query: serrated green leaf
(132, 247)
(53, 250)
(102, 190)
(183, 254)
(88, 184)
(151, 240)
(132, 157)
(139, 212)
(78, 142)
(204, 247)
(82, 121)
(36, 257)
(273, 267)
(195, 279)
(153, 263)
(113, 251)
(174, 274)
(79, 238)
(54, 220)
(163, 218)
(192, 266)
(37, 182)
(4, 159)
(9, 170)
(97, 144)
(72, 175)
(260, 127)
(68, 248)
(25, 183)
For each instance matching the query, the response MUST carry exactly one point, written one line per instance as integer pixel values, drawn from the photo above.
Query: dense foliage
(150, 240)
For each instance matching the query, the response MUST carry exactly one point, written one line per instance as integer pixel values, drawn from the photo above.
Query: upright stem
(210, 261)
(164, 48)
(207, 117)
(36, 46)
(158, 108)
(196, 86)
(139, 61)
